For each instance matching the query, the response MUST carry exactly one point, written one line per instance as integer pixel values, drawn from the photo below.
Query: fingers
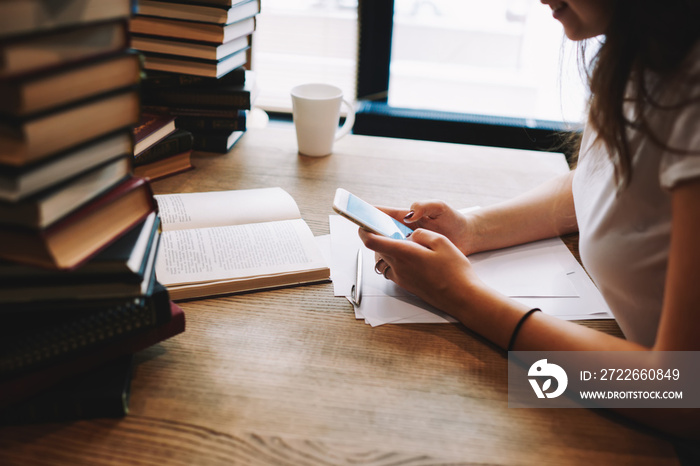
(382, 267)
(424, 210)
(428, 239)
(393, 212)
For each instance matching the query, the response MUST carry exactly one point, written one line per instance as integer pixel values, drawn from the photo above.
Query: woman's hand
(439, 217)
(429, 266)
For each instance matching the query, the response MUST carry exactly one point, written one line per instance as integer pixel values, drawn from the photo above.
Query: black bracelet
(520, 324)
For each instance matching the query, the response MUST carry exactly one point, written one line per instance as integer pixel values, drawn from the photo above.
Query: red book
(29, 384)
(151, 129)
(83, 233)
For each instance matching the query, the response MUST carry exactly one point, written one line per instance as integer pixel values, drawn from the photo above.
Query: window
(496, 72)
(300, 41)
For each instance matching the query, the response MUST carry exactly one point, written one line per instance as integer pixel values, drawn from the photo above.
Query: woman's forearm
(543, 212)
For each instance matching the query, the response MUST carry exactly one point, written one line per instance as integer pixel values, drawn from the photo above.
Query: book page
(220, 208)
(238, 251)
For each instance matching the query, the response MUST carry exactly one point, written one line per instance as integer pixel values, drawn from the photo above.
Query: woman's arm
(543, 212)
(432, 267)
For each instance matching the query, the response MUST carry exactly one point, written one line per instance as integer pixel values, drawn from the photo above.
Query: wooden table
(289, 377)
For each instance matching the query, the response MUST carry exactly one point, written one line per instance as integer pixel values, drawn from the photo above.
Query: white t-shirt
(625, 235)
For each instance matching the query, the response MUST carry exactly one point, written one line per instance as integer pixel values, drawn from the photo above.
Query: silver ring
(385, 271)
(376, 267)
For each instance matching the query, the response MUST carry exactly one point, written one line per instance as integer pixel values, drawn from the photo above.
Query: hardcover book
(151, 129)
(228, 97)
(218, 141)
(177, 142)
(200, 124)
(188, 48)
(37, 339)
(257, 241)
(28, 383)
(82, 234)
(31, 139)
(199, 12)
(40, 91)
(25, 16)
(166, 166)
(103, 392)
(53, 49)
(43, 209)
(203, 32)
(196, 66)
(18, 183)
(123, 269)
(159, 79)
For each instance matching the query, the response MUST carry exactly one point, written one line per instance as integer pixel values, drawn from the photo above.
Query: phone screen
(376, 219)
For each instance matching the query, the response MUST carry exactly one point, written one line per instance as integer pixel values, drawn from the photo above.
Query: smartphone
(367, 216)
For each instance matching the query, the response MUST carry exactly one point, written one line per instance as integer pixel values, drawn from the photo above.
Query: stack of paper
(541, 274)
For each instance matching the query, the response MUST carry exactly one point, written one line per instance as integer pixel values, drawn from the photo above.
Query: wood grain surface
(289, 377)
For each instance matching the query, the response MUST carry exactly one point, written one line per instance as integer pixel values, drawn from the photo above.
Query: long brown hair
(643, 36)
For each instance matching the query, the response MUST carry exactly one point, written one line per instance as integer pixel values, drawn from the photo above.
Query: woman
(634, 199)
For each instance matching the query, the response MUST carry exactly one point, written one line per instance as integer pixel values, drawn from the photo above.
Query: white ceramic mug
(316, 112)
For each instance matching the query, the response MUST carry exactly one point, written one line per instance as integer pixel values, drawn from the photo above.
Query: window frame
(375, 117)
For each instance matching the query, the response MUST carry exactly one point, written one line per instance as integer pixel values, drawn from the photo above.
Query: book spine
(178, 143)
(167, 97)
(195, 112)
(212, 124)
(211, 142)
(161, 80)
(29, 349)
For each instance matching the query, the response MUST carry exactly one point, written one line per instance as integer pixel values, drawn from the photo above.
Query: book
(26, 54)
(123, 269)
(166, 166)
(18, 183)
(225, 3)
(82, 234)
(196, 66)
(225, 242)
(230, 97)
(175, 143)
(193, 123)
(199, 12)
(42, 90)
(203, 32)
(151, 129)
(103, 392)
(31, 139)
(44, 208)
(219, 142)
(195, 111)
(38, 338)
(188, 48)
(158, 79)
(30, 383)
(25, 16)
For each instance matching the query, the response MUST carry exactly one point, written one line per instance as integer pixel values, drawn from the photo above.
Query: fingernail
(409, 215)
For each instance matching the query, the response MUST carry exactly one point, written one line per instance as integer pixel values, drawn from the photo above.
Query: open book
(224, 242)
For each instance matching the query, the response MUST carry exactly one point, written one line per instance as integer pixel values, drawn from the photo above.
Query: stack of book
(160, 148)
(78, 231)
(195, 55)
